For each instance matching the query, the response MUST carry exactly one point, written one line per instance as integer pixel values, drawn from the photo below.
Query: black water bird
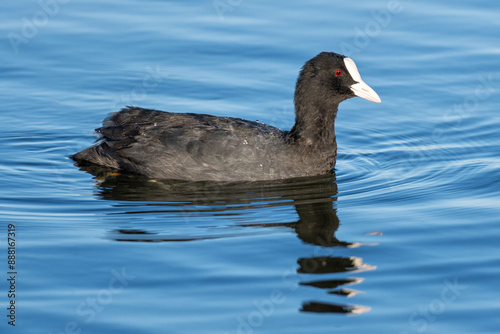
(200, 147)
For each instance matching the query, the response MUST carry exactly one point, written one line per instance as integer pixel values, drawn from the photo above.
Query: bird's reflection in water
(311, 197)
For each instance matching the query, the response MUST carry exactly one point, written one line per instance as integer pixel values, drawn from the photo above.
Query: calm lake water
(403, 239)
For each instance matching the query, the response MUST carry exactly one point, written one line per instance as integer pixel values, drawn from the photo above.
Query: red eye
(338, 73)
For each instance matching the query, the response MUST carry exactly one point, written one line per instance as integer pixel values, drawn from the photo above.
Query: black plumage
(204, 147)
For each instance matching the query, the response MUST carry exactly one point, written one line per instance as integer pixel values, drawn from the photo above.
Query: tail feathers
(100, 154)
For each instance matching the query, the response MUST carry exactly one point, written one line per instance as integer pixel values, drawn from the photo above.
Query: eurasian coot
(202, 147)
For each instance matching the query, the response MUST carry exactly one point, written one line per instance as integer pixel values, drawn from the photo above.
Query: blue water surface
(402, 239)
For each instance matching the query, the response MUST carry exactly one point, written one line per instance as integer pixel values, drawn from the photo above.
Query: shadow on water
(312, 198)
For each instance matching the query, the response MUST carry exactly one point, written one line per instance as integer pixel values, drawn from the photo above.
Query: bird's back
(189, 146)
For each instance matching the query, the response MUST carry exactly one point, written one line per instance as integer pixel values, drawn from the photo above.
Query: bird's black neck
(315, 115)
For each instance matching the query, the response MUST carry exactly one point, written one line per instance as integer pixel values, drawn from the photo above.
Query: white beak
(360, 88)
